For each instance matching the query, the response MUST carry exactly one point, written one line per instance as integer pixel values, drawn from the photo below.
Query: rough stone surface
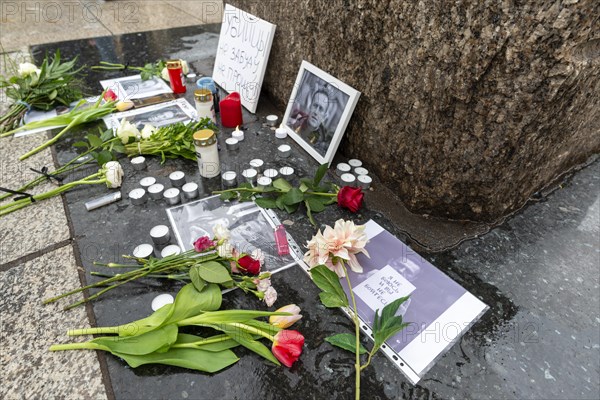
(466, 109)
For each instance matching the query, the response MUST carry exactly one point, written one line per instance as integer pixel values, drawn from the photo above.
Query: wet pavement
(538, 272)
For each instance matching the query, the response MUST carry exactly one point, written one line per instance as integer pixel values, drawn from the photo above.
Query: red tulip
(110, 95)
(287, 346)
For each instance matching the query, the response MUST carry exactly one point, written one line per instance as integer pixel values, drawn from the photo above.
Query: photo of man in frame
(317, 111)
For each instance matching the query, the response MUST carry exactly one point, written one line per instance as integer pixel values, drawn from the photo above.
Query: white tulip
(147, 131)
(27, 69)
(127, 130)
(114, 174)
(270, 296)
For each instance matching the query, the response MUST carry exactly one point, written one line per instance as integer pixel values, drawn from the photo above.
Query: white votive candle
(272, 120)
(237, 134)
(271, 173)
(284, 150)
(143, 251)
(264, 182)
(170, 250)
(364, 181)
(355, 163)
(281, 132)
(342, 168)
(250, 175)
(257, 164)
(348, 179)
(177, 178)
(171, 196)
(160, 234)
(361, 171)
(156, 191)
(286, 172)
(138, 163)
(137, 196)
(147, 181)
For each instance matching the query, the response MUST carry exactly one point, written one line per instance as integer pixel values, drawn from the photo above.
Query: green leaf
(94, 140)
(331, 300)
(294, 196)
(199, 283)
(189, 302)
(321, 171)
(81, 144)
(106, 135)
(389, 311)
(290, 209)
(329, 283)
(196, 359)
(279, 202)
(103, 157)
(228, 195)
(53, 94)
(206, 343)
(246, 340)
(156, 340)
(266, 202)
(303, 187)
(282, 184)
(346, 341)
(214, 272)
(316, 203)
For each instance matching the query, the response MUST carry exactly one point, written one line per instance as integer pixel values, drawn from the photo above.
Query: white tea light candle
(171, 196)
(286, 172)
(355, 163)
(160, 234)
(281, 132)
(250, 175)
(284, 150)
(137, 196)
(147, 181)
(348, 179)
(170, 250)
(272, 120)
(138, 163)
(232, 144)
(257, 164)
(177, 178)
(364, 181)
(156, 191)
(190, 190)
(264, 182)
(361, 171)
(237, 134)
(143, 250)
(342, 168)
(229, 178)
(271, 173)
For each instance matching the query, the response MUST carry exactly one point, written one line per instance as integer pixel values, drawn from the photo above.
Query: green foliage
(171, 141)
(388, 324)
(56, 84)
(282, 195)
(346, 341)
(332, 294)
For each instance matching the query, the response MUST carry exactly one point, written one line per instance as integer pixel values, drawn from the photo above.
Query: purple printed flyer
(440, 310)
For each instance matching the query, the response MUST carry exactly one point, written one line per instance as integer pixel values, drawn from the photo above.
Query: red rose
(202, 244)
(350, 198)
(249, 265)
(287, 346)
(110, 95)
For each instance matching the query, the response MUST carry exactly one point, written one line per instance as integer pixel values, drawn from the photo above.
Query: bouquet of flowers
(327, 256)
(169, 141)
(54, 83)
(158, 340)
(212, 261)
(314, 194)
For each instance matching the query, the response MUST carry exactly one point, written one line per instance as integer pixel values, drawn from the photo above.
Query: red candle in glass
(231, 110)
(175, 71)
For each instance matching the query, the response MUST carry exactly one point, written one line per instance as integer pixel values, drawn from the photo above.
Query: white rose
(127, 130)
(114, 174)
(27, 69)
(165, 74)
(263, 285)
(270, 296)
(147, 131)
(221, 233)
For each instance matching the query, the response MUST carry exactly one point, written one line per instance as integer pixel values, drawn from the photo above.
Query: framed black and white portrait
(158, 115)
(133, 87)
(318, 112)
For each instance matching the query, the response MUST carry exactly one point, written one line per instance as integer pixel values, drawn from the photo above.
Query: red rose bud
(249, 264)
(204, 243)
(350, 198)
(287, 346)
(110, 95)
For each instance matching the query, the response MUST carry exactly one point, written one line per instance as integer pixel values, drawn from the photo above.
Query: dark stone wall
(467, 107)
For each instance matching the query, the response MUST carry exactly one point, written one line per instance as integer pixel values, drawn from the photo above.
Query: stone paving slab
(28, 328)
(40, 225)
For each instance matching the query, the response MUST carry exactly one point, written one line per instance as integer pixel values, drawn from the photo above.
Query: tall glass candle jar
(207, 153)
(204, 104)
(175, 70)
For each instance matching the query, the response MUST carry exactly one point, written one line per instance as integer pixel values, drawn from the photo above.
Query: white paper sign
(242, 54)
(383, 287)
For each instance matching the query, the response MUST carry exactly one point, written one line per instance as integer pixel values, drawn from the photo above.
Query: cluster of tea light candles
(353, 173)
